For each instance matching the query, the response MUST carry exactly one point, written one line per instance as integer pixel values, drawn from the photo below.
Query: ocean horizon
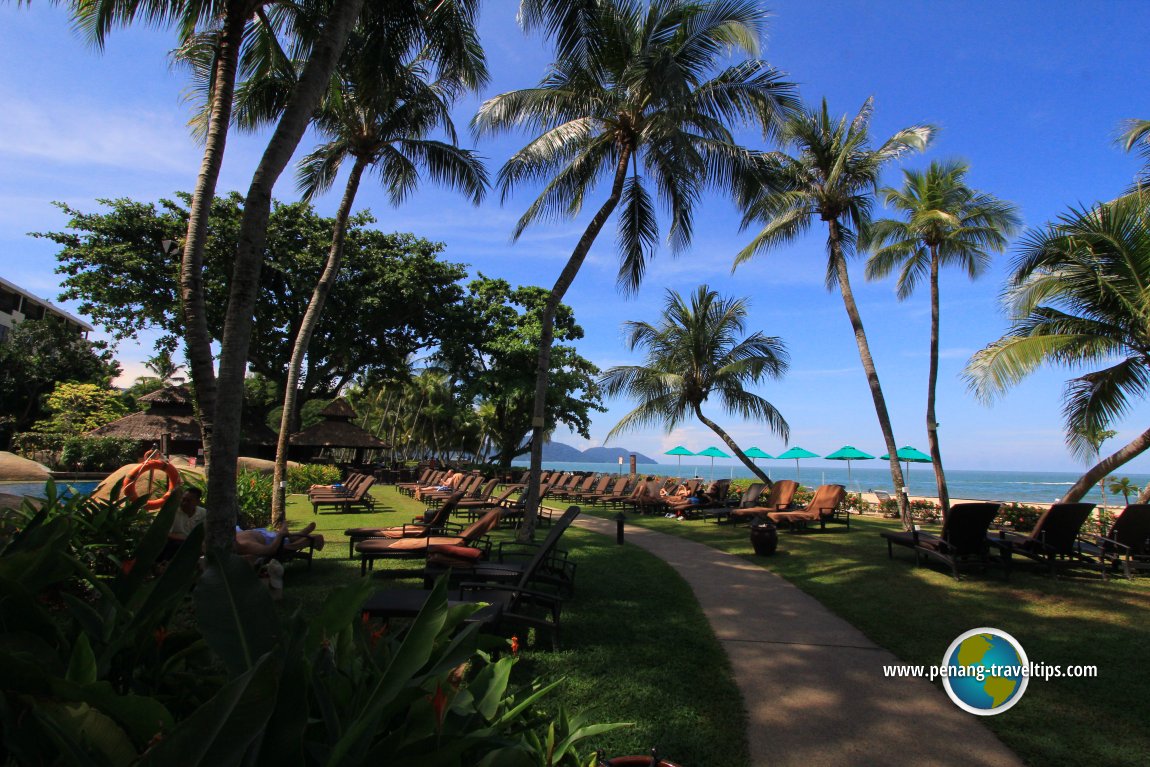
(1021, 486)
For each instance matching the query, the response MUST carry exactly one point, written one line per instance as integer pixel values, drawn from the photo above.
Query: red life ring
(170, 471)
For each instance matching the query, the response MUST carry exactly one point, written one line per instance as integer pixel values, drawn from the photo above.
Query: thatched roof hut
(171, 411)
(335, 434)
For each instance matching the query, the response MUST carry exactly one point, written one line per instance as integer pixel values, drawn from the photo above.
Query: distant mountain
(557, 451)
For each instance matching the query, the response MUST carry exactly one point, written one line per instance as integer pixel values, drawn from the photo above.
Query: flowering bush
(1019, 517)
(300, 478)
(254, 496)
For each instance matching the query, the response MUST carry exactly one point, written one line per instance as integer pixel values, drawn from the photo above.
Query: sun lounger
(779, 498)
(823, 508)
(1126, 546)
(359, 497)
(1054, 539)
(961, 542)
(430, 522)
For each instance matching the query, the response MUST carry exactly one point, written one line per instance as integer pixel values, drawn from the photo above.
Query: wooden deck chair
(358, 498)
(1054, 540)
(961, 542)
(1126, 545)
(779, 498)
(823, 508)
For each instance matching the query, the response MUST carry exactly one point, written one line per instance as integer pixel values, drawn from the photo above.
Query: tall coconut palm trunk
(303, 336)
(196, 336)
(840, 266)
(931, 387)
(220, 525)
(731, 444)
(543, 363)
(1100, 470)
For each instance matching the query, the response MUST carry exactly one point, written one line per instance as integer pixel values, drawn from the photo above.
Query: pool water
(65, 488)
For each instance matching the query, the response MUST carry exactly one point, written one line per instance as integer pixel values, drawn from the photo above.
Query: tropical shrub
(300, 478)
(97, 453)
(139, 669)
(1018, 517)
(254, 497)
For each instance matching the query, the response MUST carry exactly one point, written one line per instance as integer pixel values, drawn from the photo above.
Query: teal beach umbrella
(910, 455)
(797, 452)
(849, 453)
(713, 452)
(754, 453)
(679, 451)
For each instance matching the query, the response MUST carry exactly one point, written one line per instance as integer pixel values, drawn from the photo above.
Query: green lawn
(636, 647)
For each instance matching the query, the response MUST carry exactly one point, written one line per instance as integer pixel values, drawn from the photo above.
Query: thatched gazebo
(171, 411)
(335, 437)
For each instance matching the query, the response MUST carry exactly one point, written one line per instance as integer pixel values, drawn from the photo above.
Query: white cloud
(77, 134)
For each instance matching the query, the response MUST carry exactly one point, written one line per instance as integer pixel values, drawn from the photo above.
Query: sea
(1021, 486)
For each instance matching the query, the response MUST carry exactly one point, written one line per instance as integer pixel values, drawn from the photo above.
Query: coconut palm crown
(693, 354)
(1078, 298)
(943, 223)
(635, 98)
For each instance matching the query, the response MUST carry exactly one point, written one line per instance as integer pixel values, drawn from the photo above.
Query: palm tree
(380, 126)
(695, 352)
(628, 100)
(944, 223)
(1124, 486)
(1077, 297)
(831, 176)
(1136, 134)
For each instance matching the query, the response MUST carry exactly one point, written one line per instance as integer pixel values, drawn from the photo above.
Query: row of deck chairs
(519, 585)
(1056, 540)
(351, 494)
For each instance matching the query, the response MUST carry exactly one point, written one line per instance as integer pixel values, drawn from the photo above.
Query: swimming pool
(64, 487)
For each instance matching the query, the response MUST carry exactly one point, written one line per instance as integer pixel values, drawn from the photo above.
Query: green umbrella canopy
(849, 453)
(797, 452)
(679, 451)
(908, 453)
(754, 452)
(713, 452)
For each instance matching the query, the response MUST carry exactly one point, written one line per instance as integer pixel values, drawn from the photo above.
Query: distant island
(557, 451)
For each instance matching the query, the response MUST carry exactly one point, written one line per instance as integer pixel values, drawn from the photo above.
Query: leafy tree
(1136, 136)
(944, 223)
(634, 98)
(36, 356)
(831, 175)
(491, 355)
(694, 352)
(395, 285)
(1077, 298)
(75, 408)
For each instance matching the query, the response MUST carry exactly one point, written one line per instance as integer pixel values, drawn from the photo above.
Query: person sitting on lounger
(448, 485)
(679, 505)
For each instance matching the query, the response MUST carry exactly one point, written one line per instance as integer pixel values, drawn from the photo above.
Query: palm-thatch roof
(171, 411)
(336, 430)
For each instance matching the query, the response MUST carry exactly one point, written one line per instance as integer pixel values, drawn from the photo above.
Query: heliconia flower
(127, 565)
(514, 645)
(160, 634)
(366, 618)
(439, 704)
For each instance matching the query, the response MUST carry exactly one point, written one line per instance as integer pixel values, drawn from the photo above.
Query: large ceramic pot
(764, 538)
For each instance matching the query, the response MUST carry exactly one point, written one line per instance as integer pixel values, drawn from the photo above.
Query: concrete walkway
(812, 684)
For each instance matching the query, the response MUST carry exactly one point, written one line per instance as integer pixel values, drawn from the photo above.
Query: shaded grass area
(635, 646)
(916, 612)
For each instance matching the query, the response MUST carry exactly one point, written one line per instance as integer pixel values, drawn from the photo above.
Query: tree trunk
(543, 364)
(731, 444)
(303, 337)
(931, 386)
(1132, 450)
(840, 265)
(197, 339)
(305, 99)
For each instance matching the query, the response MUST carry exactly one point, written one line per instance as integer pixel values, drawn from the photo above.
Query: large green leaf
(141, 717)
(85, 735)
(127, 587)
(82, 664)
(219, 733)
(235, 613)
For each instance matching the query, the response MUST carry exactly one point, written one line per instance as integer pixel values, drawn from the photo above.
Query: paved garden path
(812, 684)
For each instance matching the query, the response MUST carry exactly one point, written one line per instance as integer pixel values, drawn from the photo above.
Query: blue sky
(1031, 94)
